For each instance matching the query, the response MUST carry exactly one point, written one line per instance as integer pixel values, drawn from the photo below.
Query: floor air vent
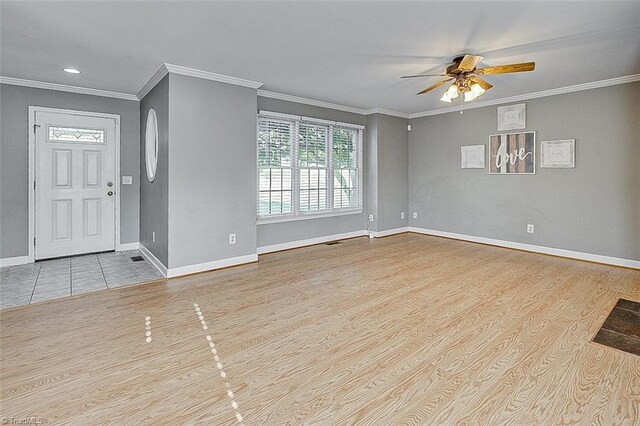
(332, 243)
(137, 258)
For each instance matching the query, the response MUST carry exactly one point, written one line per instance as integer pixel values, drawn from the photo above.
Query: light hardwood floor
(408, 329)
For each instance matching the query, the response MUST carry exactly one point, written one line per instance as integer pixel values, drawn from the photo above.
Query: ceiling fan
(463, 70)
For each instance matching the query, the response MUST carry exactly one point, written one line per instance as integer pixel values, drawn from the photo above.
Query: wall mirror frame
(151, 145)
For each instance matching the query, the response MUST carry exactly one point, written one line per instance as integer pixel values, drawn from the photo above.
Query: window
(312, 161)
(275, 168)
(307, 167)
(74, 134)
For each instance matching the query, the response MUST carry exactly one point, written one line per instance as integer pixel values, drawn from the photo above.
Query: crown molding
(155, 79)
(323, 104)
(533, 95)
(192, 72)
(66, 88)
(313, 102)
(206, 75)
(169, 68)
(388, 112)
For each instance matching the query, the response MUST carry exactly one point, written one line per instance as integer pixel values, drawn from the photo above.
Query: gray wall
(14, 154)
(392, 140)
(212, 170)
(371, 170)
(277, 233)
(154, 196)
(594, 208)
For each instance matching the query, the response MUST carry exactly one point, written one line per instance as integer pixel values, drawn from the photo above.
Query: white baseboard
(379, 234)
(154, 260)
(209, 266)
(12, 261)
(310, 241)
(616, 261)
(128, 246)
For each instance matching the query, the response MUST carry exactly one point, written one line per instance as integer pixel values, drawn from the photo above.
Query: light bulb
(477, 89)
(452, 91)
(469, 96)
(445, 98)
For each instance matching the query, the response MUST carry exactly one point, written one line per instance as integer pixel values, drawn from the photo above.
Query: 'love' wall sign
(512, 153)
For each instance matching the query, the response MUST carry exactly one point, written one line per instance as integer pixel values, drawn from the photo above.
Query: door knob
(110, 193)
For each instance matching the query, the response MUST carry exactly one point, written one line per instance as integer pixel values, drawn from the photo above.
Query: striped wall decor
(512, 153)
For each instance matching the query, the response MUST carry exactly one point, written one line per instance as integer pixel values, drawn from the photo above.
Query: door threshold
(73, 255)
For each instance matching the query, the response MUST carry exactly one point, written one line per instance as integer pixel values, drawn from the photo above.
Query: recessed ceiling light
(72, 71)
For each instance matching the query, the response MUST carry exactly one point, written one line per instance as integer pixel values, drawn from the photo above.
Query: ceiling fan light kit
(465, 75)
(451, 93)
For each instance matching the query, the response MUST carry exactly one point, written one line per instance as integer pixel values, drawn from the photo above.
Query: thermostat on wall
(127, 180)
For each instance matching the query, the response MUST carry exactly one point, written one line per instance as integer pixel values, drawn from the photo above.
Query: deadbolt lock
(109, 184)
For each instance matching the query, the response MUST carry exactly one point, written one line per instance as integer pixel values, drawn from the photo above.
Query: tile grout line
(34, 284)
(102, 272)
(216, 357)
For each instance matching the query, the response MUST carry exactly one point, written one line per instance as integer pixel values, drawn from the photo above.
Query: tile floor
(53, 279)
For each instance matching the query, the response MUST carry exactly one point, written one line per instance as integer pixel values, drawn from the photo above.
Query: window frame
(271, 167)
(330, 211)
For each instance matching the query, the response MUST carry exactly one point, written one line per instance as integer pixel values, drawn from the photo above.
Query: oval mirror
(151, 145)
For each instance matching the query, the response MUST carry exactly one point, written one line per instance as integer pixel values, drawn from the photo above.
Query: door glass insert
(75, 134)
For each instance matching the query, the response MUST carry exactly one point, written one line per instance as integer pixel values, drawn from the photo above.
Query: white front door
(75, 184)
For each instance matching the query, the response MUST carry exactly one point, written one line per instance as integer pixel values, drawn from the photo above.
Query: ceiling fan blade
(484, 84)
(469, 62)
(435, 86)
(423, 75)
(504, 69)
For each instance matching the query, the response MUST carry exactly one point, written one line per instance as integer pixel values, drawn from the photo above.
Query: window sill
(307, 216)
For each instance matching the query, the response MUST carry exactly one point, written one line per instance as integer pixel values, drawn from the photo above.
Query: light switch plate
(127, 180)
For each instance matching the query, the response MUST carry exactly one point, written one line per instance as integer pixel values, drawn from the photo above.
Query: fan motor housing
(453, 68)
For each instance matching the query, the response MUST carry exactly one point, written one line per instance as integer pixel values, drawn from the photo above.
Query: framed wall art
(512, 154)
(558, 153)
(472, 157)
(512, 117)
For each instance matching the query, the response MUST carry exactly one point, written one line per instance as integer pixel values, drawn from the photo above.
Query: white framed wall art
(472, 157)
(512, 117)
(558, 153)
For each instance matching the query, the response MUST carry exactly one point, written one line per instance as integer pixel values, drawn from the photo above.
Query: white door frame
(32, 168)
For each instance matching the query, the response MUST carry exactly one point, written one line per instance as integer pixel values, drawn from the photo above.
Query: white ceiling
(350, 53)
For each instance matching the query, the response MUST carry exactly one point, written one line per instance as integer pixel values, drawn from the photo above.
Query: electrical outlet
(401, 215)
(153, 236)
(530, 228)
(415, 215)
(370, 218)
(232, 238)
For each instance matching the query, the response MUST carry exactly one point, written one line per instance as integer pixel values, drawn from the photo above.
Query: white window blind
(275, 167)
(307, 166)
